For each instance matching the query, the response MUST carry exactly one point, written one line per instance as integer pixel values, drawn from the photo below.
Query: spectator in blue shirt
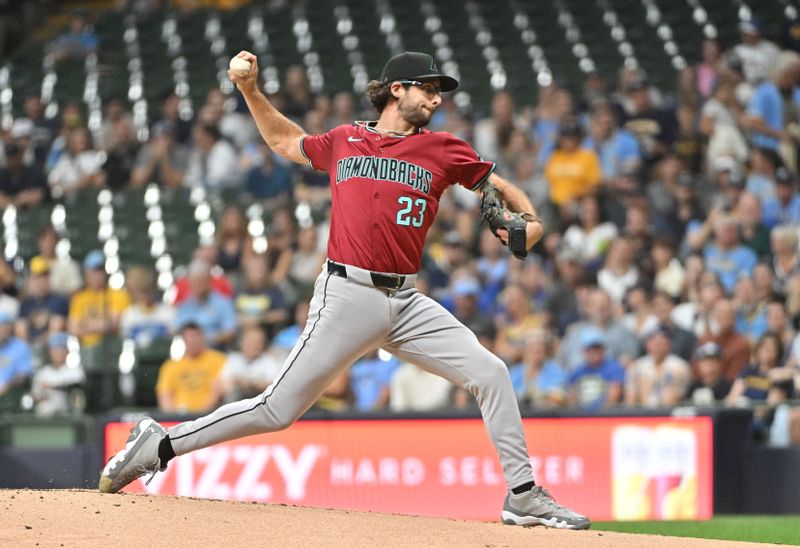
(765, 109)
(539, 380)
(16, 361)
(765, 113)
(618, 149)
(213, 312)
(554, 105)
(287, 337)
(784, 207)
(598, 382)
(369, 379)
(725, 256)
(619, 341)
(764, 162)
(492, 267)
(751, 314)
(463, 303)
(78, 42)
(270, 182)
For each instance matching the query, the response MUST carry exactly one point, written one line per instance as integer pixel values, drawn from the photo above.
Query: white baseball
(239, 66)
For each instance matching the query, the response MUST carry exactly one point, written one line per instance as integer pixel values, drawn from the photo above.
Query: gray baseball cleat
(140, 457)
(537, 507)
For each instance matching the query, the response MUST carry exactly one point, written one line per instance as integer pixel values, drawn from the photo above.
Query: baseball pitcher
(386, 179)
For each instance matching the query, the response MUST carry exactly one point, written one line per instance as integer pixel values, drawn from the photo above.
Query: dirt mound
(86, 519)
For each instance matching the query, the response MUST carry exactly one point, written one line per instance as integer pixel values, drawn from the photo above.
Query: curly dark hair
(378, 94)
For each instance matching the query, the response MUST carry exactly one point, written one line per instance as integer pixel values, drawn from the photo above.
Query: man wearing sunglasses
(386, 179)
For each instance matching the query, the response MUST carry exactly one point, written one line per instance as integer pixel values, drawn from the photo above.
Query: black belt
(379, 279)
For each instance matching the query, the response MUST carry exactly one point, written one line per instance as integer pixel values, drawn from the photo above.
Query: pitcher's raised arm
(280, 133)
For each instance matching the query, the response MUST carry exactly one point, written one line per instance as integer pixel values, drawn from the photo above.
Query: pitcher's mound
(87, 519)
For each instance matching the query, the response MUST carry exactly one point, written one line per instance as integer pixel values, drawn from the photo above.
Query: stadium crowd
(669, 273)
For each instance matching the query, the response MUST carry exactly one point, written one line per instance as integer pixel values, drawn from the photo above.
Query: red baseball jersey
(385, 190)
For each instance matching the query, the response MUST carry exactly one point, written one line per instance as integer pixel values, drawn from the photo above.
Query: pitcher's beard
(415, 115)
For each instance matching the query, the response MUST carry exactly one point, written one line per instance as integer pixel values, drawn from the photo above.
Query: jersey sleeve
(318, 149)
(465, 166)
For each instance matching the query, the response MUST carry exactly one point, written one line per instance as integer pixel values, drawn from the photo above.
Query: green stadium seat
(101, 363)
(148, 363)
(11, 401)
(29, 223)
(278, 24)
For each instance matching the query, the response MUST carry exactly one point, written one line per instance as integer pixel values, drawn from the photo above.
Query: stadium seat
(372, 44)
(148, 362)
(552, 40)
(648, 47)
(277, 24)
(130, 220)
(101, 364)
(29, 223)
(11, 401)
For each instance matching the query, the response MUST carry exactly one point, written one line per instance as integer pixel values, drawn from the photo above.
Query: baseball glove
(498, 216)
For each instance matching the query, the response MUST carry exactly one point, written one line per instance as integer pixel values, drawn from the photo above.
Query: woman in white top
(147, 320)
(53, 382)
(79, 166)
(718, 123)
(248, 372)
(619, 273)
(640, 318)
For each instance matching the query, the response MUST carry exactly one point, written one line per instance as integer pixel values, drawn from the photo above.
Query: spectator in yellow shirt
(572, 172)
(94, 311)
(186, 385)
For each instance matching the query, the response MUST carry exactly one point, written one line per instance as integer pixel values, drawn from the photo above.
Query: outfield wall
(608, 468)
(673, 465)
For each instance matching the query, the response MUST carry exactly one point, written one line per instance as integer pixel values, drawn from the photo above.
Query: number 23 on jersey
(413, 211)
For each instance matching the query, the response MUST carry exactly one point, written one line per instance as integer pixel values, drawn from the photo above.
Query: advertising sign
(608, 468)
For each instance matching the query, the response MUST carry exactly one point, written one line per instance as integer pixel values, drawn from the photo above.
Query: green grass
(776, 529)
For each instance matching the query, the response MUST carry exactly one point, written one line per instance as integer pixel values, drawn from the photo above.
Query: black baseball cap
(413, 65)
